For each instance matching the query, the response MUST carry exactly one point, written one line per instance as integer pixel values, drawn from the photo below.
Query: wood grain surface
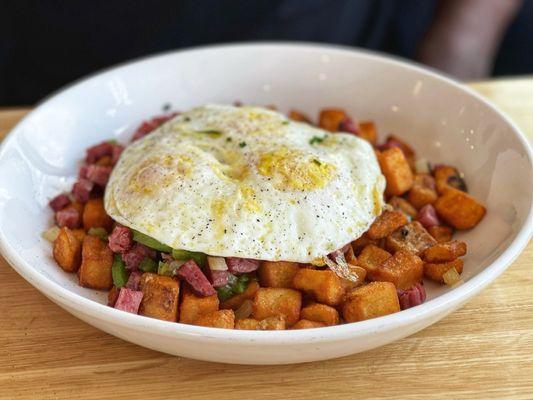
(482, 351)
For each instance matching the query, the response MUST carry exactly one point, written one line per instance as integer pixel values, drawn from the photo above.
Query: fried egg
(247, 182)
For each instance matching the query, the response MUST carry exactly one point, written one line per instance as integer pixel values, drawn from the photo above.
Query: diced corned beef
(389, 144)
(99, 150)
(241, 265)
(427, 216)
(68, 217)
(412, 297)
(129, 300)
(193, 275)
(82, 173)
(348, 125)
(117, 151)
(121, 239)
(133, 280)
(82, 189)
(59, 202)
(98, 174)
(219, 278)
(133, 257)
(149, 126)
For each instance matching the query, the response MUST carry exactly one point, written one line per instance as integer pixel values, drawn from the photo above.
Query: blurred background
(47, 44)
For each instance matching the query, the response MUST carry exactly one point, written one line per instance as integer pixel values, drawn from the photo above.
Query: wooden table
(483, 351)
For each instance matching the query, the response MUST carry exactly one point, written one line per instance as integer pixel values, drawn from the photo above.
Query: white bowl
(444, 121)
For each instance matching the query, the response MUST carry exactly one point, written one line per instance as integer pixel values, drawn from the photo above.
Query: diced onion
(217, 263)
(51, 234)
(245, 310)
(422, 166)
(343, 269)
(451, 277)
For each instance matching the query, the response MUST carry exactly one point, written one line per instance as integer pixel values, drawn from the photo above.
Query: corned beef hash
(238, 217)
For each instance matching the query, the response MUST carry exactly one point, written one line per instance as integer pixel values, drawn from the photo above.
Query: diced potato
(435, 271)
(412, 237)
(96, 262)
(396, 170)
(372, 257)
(441, 233)
(404, 147)
(268, 324)
(94, 215)
(217, 319)
(193, 306)
(447, 177)
(423, 191)
(370, 301)
(386, 223)
(160, 297)
(404, 269)
(79, 234)
(320, 313)
(305, 324)
(236, 301)
(324, 285)
(277, 274)
(272, 302)
(359, 244)
(330, 119)
(298, 116)
(67, 250)
(459, 209)
(400, 204)
(367, 131)
(442, 252)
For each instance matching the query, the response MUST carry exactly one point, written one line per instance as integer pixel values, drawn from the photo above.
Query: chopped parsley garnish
(316, 161)
(228, 139)
(316, 139)
(210, 132)
(187, 119)
(242, 144)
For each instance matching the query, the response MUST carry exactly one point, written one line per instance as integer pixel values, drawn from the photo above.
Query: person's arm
(465, 36)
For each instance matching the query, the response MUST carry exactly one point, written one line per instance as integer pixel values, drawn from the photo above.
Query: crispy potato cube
(193, 306)
(435, 271)
(402, 145)
(306, 324)
(412, 237)
(268, 324)
(447, 177)
(296, 115)
(372, 257)
(441, 233)
(359, 244)
(217, 319)
(423, 191)
(94, 215)
(96, 262)
(396, 170)
(272, 302)
(367, 131)
(330, 118)
(386, 223)
(320, 313)
(236, 301)
(459, 209)
(370, 301)
(277, 274)
(324, 285)
(160, 297)
(442, 252)
(67, 250)
(402, 205)
(404, 269)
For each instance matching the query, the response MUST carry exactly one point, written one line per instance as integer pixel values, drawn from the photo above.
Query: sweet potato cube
(423, 191)
(402, 205)
(412, 237)
(372, 257)
(370, 301)
(217, 319)
(320, 313)
(67, 250)
(268, 324)
(330, 118)
(306, 324)
(324, 285)
(386, 223)
(96, 262)
(367, 131)
(272, 302)
(459, 209)
(236, 301)
(441, 233)
(160, 297)
(296, 115)
(277, 274)
(443, 252)
(404, 269)
(396, 170)
(435, 271)
(94, 215)
(193, 306)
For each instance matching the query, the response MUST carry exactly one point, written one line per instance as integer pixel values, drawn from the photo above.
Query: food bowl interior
(442, 121)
